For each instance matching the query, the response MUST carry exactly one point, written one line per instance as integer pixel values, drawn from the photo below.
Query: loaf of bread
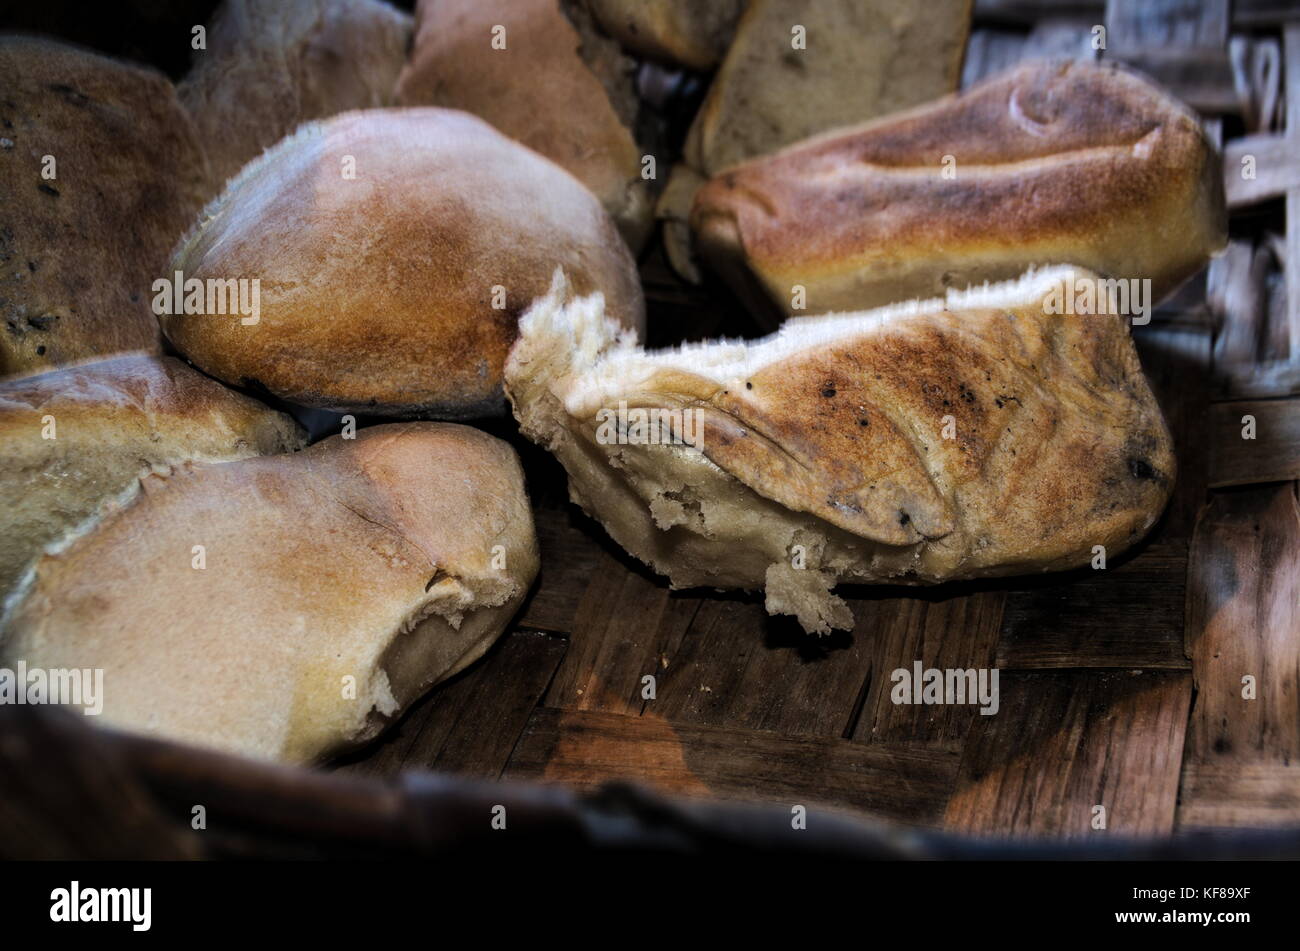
(288, 607)
(1049, 163)
(74, 438)
(682, 32)
(270, 65)
(797, 69)
(395, 250)
(100, 173)
(992, 432)
(538, 72)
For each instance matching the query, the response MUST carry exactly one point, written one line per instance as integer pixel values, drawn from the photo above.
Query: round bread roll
(76, 437)
(394, 251)
(100, 174)
(287, 607)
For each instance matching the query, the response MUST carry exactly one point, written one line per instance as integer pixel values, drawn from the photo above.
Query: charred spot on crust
(1141, 469)
(903, 518)
(828, 390)
(864, 421)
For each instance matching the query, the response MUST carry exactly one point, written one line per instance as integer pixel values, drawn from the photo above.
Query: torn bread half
(974, 435)
(287, 607)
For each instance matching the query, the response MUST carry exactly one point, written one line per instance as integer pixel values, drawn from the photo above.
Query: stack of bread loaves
(342, 209)
(373, 262)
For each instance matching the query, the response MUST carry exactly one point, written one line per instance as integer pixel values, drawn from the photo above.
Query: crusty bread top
(537, 90)
(377, 291)
(137, 395)
(1054, 163)
(81, 248)
(1057, 442)
(271, 65)
(1035, 110)
(314, 567)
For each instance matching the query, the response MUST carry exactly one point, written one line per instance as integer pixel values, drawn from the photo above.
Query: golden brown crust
(335, 585)
(377, 292)
(1055, 163)
(861, 59)
(537, 90)
(1031, 475)
(983, 435)
(80, 250)
(271, 65)
(77, 436)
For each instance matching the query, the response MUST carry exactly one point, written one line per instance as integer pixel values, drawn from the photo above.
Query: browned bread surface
(271, 65)
(860, 59)
(539, 90)
(379, 291)
(1051, 163)
(336, 585)
(100, 174)
(936, 440)
(74, 438)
